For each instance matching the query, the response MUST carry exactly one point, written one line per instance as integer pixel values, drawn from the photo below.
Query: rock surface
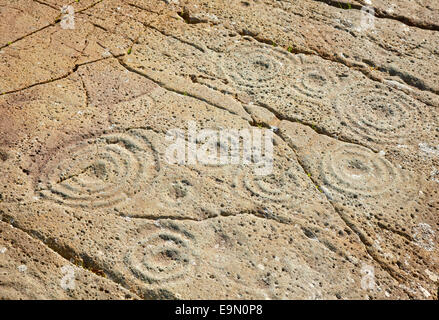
(94, 204)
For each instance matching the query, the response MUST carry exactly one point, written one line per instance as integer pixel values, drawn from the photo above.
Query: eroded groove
(166, 87)
(72, 71)
(185, 15)
(395, 231)
(47, 4)
(255, 213)
(367, 244)
(318, 129)
(379, 13)
(65, 252)
(99, 26)
(409, 80)
(92, 266)
(58, 19)
(29, 34)
(161, 217)
(315, 127)
(90, 6)
(365, 240)
(176, 38)
(150, 26)
(88, 263)
(134, 5)
(361, 67)
(259, 214)
(87, 95)
(322, 55)
(337, 208)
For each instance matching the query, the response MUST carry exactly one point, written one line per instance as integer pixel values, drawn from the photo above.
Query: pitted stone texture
(113, 154)
(389, 49)
(378, 199)
(55, 112)
(74, 179)
(108, 83)
(77, 5)
(421, 13)
(55, 53)
(326, 95)
(29, 270)
(177, 65)
(89, 116)
(22, 17)
(239, 256)
(228, 255)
